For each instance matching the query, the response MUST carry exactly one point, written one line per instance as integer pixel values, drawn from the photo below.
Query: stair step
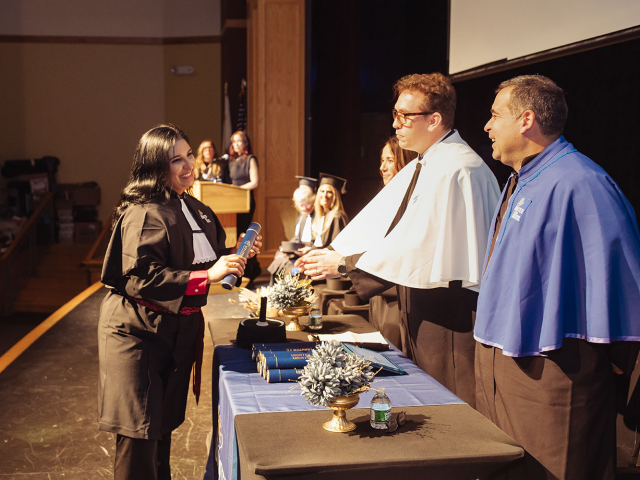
(60, 277)
(61, 284)
(54, 272)
(34, 308)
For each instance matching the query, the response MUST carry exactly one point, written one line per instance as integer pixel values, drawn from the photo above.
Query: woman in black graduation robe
(150, 321)
(328, 234)
(330, 217)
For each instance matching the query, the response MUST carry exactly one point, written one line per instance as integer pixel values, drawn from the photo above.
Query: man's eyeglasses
(402, 117)
(396, 422)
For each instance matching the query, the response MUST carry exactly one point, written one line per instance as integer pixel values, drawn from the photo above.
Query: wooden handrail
(89, 260)
(25, 228)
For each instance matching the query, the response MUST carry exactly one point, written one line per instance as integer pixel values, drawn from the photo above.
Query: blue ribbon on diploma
(250, 236)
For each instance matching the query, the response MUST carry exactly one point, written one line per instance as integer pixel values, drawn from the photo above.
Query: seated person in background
(207, 166)
(304, 201)
(330, 217)
(393, 159)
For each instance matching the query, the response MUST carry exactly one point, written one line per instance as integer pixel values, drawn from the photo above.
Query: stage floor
(48, 407)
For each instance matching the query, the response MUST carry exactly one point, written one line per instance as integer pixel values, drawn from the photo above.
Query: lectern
(225, 201)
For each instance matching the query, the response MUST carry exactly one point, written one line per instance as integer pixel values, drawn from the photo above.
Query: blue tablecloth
(239, 389)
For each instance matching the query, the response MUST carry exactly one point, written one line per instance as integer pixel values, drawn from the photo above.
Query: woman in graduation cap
(165, 250)
(330, 217)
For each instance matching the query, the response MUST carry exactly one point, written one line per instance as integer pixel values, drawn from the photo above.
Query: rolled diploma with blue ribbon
(277, 375)
(278, 347)
(250, 236)
(286, 359)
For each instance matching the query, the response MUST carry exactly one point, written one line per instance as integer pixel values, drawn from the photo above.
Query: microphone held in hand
(253, 231)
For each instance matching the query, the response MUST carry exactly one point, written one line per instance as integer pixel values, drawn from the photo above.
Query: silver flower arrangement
(331, 373)
(290, 291)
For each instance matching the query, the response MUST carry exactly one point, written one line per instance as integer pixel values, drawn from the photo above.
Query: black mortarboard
(338, 182)
(307, 181)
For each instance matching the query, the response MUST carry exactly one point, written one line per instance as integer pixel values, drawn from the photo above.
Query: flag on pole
(242, 112)
(226, 121)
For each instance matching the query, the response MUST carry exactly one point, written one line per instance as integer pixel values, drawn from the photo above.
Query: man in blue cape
(560, 292)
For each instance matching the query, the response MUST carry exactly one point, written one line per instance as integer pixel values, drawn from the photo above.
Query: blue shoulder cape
(566, 262)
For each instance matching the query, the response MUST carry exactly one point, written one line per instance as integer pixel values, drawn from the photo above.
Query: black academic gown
(146, 356)
(436, 328)
(384, 315)
(284, 261)
(338, 223)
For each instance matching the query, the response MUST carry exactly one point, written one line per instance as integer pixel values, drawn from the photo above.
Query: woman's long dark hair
(148, 179)
(400, 156)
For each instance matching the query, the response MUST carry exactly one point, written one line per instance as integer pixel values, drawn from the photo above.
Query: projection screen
(486, 31)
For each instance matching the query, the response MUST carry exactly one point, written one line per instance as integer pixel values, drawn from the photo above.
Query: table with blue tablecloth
(269, 431)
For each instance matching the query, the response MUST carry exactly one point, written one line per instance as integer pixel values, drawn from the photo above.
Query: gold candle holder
(339, 422)
(293, 313)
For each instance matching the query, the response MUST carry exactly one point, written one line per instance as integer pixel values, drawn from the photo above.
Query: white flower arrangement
(251, 301)
(331, 372)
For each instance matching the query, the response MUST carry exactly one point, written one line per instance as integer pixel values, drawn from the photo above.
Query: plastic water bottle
(380, 410)
(315, 318)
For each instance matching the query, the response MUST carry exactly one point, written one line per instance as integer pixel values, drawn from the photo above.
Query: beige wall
(85, 104)
(89, 104)
(110, 18)
(193, 101)
(191, 18)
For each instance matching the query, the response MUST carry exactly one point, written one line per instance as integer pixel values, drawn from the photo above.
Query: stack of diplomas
(281, 362)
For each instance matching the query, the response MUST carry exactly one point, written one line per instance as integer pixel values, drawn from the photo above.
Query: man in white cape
(425, 232)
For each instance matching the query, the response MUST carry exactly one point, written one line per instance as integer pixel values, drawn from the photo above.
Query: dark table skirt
(437, 442)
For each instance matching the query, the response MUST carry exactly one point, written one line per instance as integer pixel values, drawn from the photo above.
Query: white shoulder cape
(442, 235)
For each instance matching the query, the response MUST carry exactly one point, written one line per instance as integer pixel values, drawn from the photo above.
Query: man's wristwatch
(342, 267)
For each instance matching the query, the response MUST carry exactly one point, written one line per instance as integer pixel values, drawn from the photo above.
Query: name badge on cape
(519, 209)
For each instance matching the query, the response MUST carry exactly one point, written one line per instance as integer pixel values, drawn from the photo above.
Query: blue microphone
(230, 280)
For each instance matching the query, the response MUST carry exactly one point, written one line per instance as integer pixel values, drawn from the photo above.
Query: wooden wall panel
(275, 107)
(281, 218)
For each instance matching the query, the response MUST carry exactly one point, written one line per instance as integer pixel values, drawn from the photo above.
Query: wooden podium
(226, 201)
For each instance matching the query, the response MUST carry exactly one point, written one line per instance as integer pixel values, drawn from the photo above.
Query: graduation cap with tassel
(338, 182)
(307, 182)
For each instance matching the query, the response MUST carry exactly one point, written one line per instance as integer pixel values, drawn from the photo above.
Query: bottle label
(381, 416)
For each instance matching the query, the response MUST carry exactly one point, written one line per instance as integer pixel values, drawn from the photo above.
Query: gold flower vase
(293, 313)
(339, 422)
